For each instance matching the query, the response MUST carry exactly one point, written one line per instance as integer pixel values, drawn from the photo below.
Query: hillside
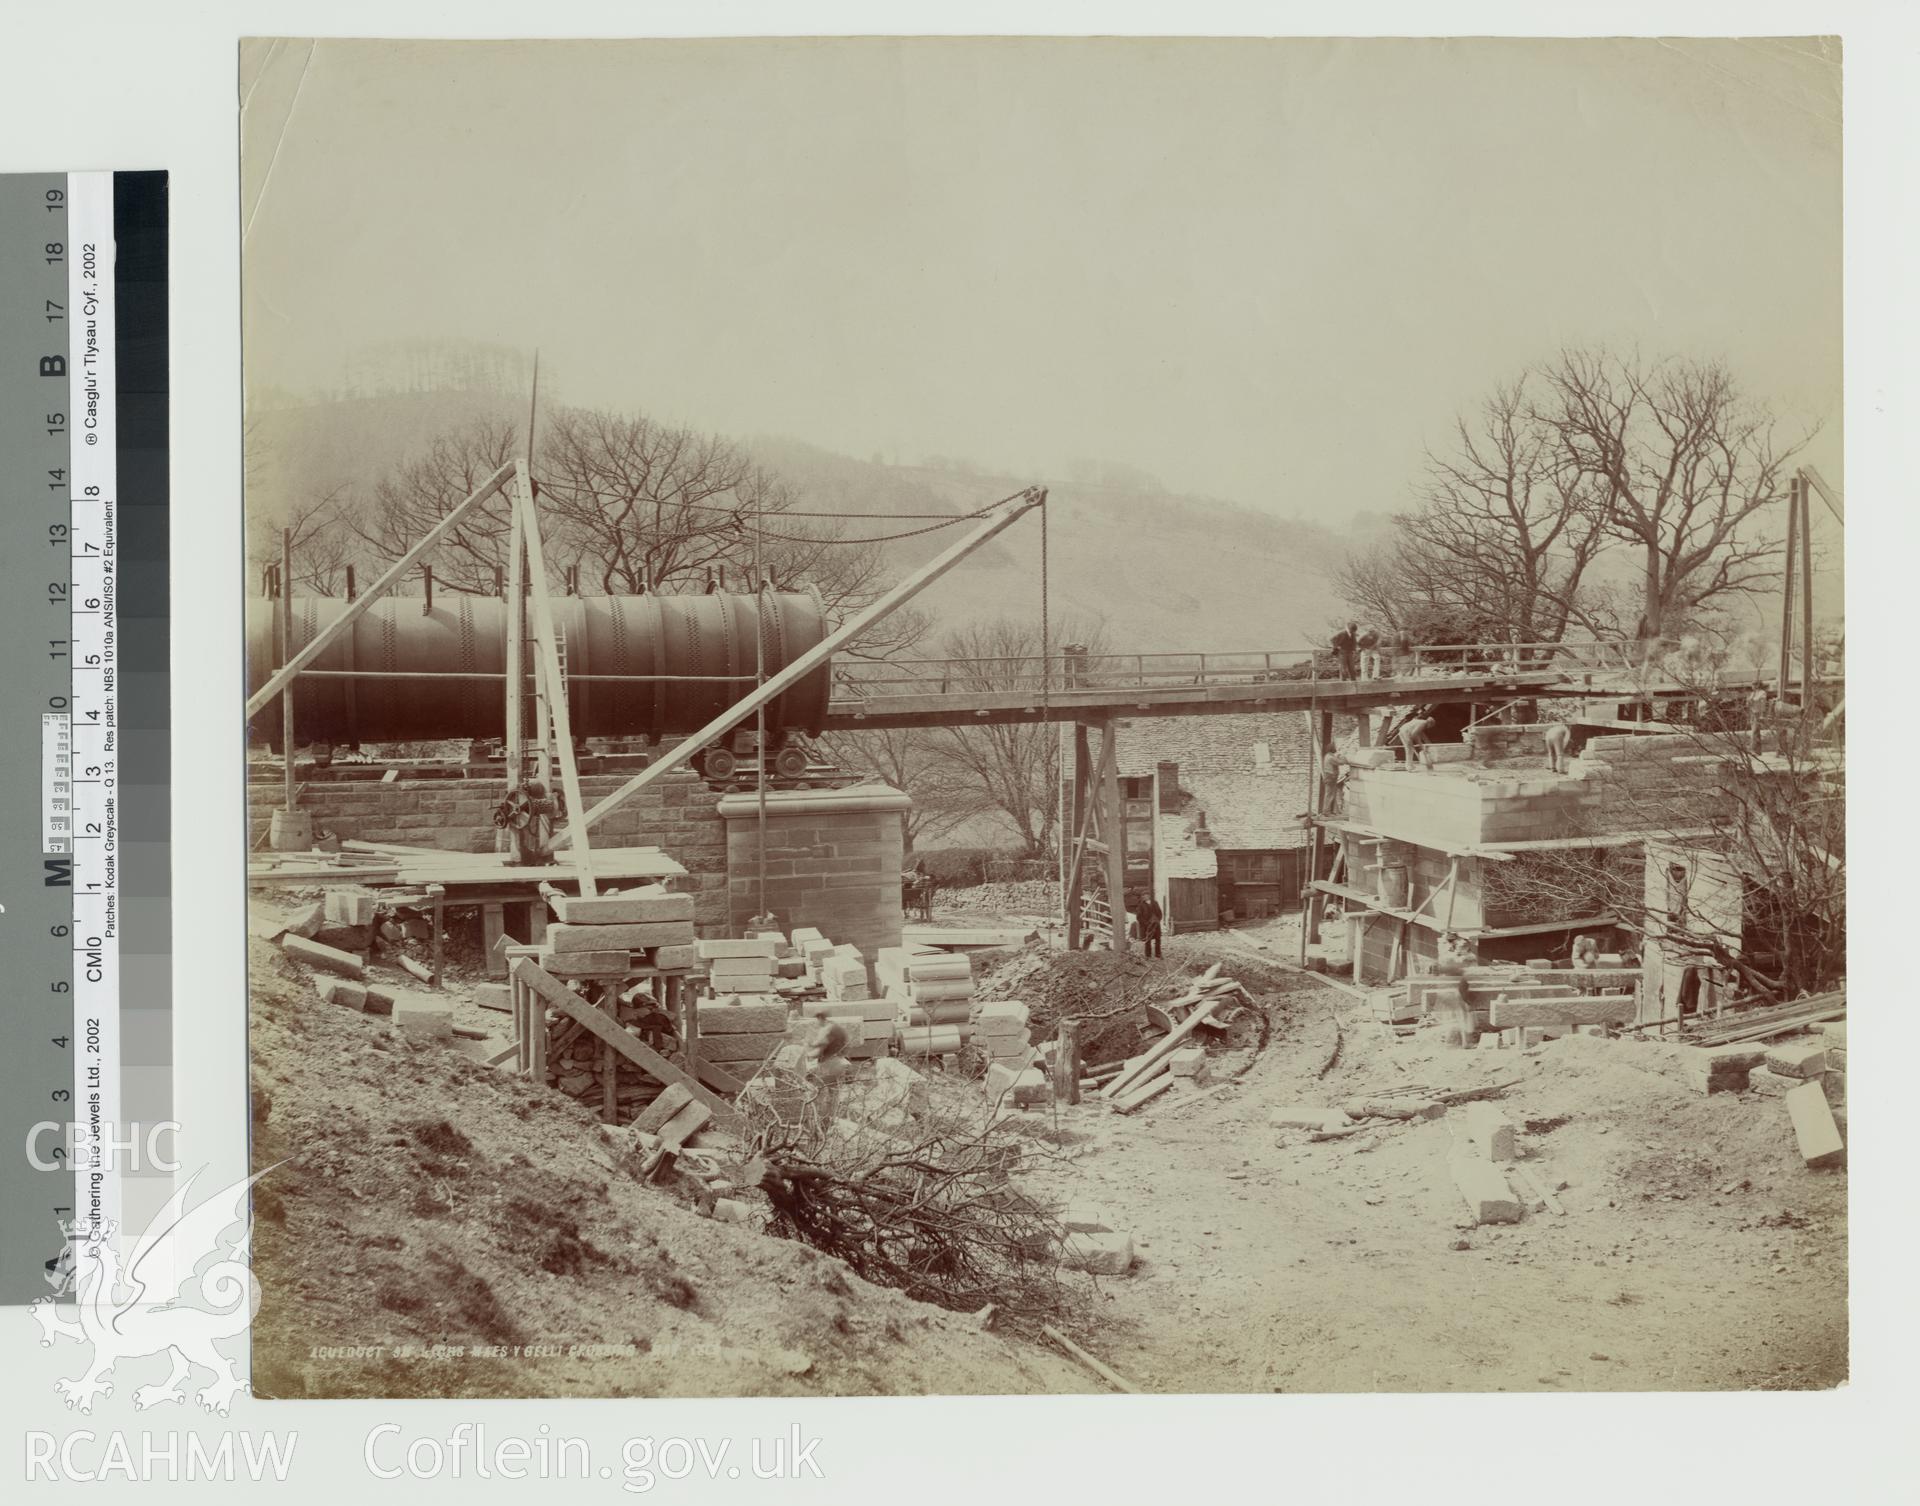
(1140, 560)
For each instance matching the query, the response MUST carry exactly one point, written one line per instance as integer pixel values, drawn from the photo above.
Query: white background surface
(111, 85)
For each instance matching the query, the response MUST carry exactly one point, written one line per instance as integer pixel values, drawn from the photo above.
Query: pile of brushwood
(910, 1196)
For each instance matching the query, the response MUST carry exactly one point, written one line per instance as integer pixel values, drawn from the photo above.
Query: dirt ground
(420, 1197)
(1696, 1251)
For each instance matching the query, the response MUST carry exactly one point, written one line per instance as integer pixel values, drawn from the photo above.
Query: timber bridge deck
(1071, 687)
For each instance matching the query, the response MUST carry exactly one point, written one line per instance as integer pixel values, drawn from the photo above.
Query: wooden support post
(1066, 1061)
(537, 1035)
(1786, 597)
(286, 652)
(397, 571)
(1070, 894)
(437, 918)
(1309, 896)
(522, 1023)
(1113, 831)
(493, 925)
(1808, 659)
(516, 747)
(554, 682)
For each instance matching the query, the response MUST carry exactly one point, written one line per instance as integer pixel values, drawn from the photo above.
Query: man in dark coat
(1148, 913)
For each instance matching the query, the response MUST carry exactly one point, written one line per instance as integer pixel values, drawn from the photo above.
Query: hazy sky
(1270, 271)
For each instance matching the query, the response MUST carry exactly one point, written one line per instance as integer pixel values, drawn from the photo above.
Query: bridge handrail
(1066, 671)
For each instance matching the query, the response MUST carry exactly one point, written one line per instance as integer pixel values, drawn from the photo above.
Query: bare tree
(1679, 465)
(634, 506)
(406, 504)
(1014, 769)
(1500, 543)
(911, 759)
(1503, 533)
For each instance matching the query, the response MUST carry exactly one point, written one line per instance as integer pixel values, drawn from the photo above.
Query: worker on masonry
(1346, 651)
(1415, 734)
(1367, 640)
(1333, 782)
(1558, 735)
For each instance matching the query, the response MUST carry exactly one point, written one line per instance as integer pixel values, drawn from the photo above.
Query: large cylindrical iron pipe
(707, 641)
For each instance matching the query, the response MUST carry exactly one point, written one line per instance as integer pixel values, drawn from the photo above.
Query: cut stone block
(742, 1016)
(307, 920)
(1767, 1083)
(344, 992)
(1488, 1197)
(730, 1210)
(1490, 1131)
(671, 1100)
(673, 959)
(1000, 1081)
(326, 958)
(1705, 1069)
(423, 1016)
(494, 996)
(1086, 1218)
(581, 964)
(1006, 1013)
(1798, 1058)
(1032, 1087)
(378, 1001)
(1813, 1126)
(754, 1047)
(739, 967)
(1099, 1254)
(627, 938)
(737, 946)
(633, 907)
(1189, 1061)
(1580, 1009)
(931, 992)
(346, 908)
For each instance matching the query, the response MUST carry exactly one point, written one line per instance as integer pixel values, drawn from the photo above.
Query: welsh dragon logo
(142, 1308)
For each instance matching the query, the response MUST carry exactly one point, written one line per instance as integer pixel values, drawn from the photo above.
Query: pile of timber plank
(618, 934)
(1142, 1078)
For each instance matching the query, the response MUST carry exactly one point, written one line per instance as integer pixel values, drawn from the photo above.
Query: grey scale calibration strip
(86, 1065)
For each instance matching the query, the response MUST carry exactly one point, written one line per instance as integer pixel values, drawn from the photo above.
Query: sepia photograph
(1009, 715)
